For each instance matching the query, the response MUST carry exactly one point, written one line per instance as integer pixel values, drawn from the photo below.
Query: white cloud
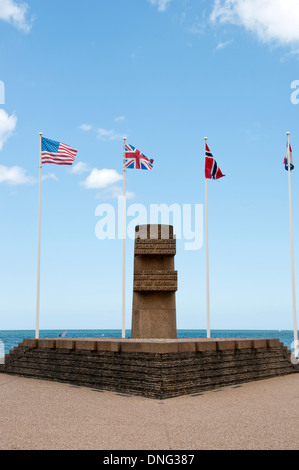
(85, 127)
(104, 134)
(222, 45)
(15, 13)
(14, 176)
(272, 21)
(80, 168)
(50, 176)
(99, 179)
(120, 118)
(114, 192)
(197, 28)
(161, 4)
(7, 126)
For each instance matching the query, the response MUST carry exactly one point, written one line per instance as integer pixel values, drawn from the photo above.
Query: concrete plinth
(150, 368)
(155, 283)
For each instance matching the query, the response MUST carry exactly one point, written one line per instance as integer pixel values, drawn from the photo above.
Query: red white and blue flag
(135, 160)
(286, 163)
(57, 153)
(212, 170)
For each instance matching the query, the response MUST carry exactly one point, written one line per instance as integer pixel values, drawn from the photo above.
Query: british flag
(135, 160)
(212, 170)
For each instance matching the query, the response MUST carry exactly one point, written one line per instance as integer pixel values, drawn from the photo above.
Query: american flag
(212, 170)
(57, 153)
(286, 163)
(135, 160)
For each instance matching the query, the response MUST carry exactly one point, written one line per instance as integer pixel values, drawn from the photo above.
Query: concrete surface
(41, 415)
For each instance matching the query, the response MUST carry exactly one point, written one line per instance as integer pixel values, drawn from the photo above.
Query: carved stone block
(155, 283)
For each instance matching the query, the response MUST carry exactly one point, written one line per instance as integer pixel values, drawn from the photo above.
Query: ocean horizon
(11, 338)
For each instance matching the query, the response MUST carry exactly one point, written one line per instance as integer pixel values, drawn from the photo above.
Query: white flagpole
(39, 241)
(207, 263)
(292, 248)
(124, 252)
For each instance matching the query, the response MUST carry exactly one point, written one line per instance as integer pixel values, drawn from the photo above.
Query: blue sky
(164, 73)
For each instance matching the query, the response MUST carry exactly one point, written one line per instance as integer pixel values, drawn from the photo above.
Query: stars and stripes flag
(57, 153)
(135, 160)
(212, 170)
(286, 163)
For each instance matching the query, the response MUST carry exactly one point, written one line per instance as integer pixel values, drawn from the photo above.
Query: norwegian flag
(212, 170)
(135, 160)
(286, 163)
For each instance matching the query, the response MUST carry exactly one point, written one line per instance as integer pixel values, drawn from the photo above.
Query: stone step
(151, 374)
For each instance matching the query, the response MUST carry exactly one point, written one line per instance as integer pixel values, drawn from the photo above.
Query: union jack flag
(135, 160)
(57, 153)
(212, 170)
(286, 163)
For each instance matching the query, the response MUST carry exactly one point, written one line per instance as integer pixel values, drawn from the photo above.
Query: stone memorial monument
(154, 363)
(155, 283)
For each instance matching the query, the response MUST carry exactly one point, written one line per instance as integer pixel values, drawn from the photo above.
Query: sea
(11, 338)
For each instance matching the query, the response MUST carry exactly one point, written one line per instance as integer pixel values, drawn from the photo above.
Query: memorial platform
(159, 368)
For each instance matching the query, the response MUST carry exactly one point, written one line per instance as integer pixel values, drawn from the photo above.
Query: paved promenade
(37, 414)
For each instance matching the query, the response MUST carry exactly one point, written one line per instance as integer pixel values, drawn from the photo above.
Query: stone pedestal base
(158, 321)
(151, 368)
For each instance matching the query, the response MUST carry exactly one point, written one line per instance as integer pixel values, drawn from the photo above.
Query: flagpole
(207, 262)
(124, 251)
(39, 241)
(292, 248)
